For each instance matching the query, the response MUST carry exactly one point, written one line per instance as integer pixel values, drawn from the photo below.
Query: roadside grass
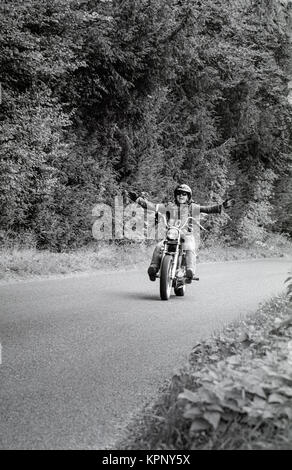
(235, 392)
(21, 262)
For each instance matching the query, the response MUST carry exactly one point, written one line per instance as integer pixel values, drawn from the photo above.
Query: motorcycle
(172, 272)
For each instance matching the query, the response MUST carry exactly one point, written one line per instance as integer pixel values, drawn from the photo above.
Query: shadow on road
(138, 296)
(144, 296)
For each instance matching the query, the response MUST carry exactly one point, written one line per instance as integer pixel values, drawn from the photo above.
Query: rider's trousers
(188, 245)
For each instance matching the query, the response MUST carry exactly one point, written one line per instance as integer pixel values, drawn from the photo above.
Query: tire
(165, 281)
(180, 292)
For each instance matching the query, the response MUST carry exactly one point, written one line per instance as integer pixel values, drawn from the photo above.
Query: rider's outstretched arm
(217, 208)
(145, 203)
(212, 209)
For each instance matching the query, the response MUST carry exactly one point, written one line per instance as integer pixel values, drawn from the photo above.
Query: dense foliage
(235, 393)
(101, 95)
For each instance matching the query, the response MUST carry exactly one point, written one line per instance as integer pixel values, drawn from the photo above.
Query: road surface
(81, 354)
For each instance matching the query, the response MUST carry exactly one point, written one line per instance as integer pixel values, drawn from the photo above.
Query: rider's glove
(227, 203)
(132, 195)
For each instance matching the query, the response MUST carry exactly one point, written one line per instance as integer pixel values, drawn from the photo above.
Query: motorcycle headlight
(172, 234)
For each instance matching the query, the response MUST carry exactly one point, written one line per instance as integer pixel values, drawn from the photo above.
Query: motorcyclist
(185, 206)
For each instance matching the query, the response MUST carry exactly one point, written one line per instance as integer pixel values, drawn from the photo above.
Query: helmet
(183, 187)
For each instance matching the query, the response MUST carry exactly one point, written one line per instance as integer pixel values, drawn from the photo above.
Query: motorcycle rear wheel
(180, 292)
(165, 279)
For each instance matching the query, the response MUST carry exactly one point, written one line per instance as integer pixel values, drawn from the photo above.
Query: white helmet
(184, 188)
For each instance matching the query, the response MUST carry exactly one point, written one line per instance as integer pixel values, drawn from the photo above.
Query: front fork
(174, 264)
(175, 259)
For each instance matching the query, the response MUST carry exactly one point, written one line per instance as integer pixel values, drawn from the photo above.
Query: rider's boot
(190, 266)
(155, 263)
(189, 276)
(152, 271)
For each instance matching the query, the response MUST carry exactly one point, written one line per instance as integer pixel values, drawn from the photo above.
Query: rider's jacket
(174, 211)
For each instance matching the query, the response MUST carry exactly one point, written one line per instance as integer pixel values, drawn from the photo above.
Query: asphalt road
(81, 354)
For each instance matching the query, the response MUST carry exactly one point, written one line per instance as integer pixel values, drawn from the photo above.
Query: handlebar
(179, 226)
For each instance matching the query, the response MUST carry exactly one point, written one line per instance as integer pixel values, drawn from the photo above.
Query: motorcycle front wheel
(165, 277)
